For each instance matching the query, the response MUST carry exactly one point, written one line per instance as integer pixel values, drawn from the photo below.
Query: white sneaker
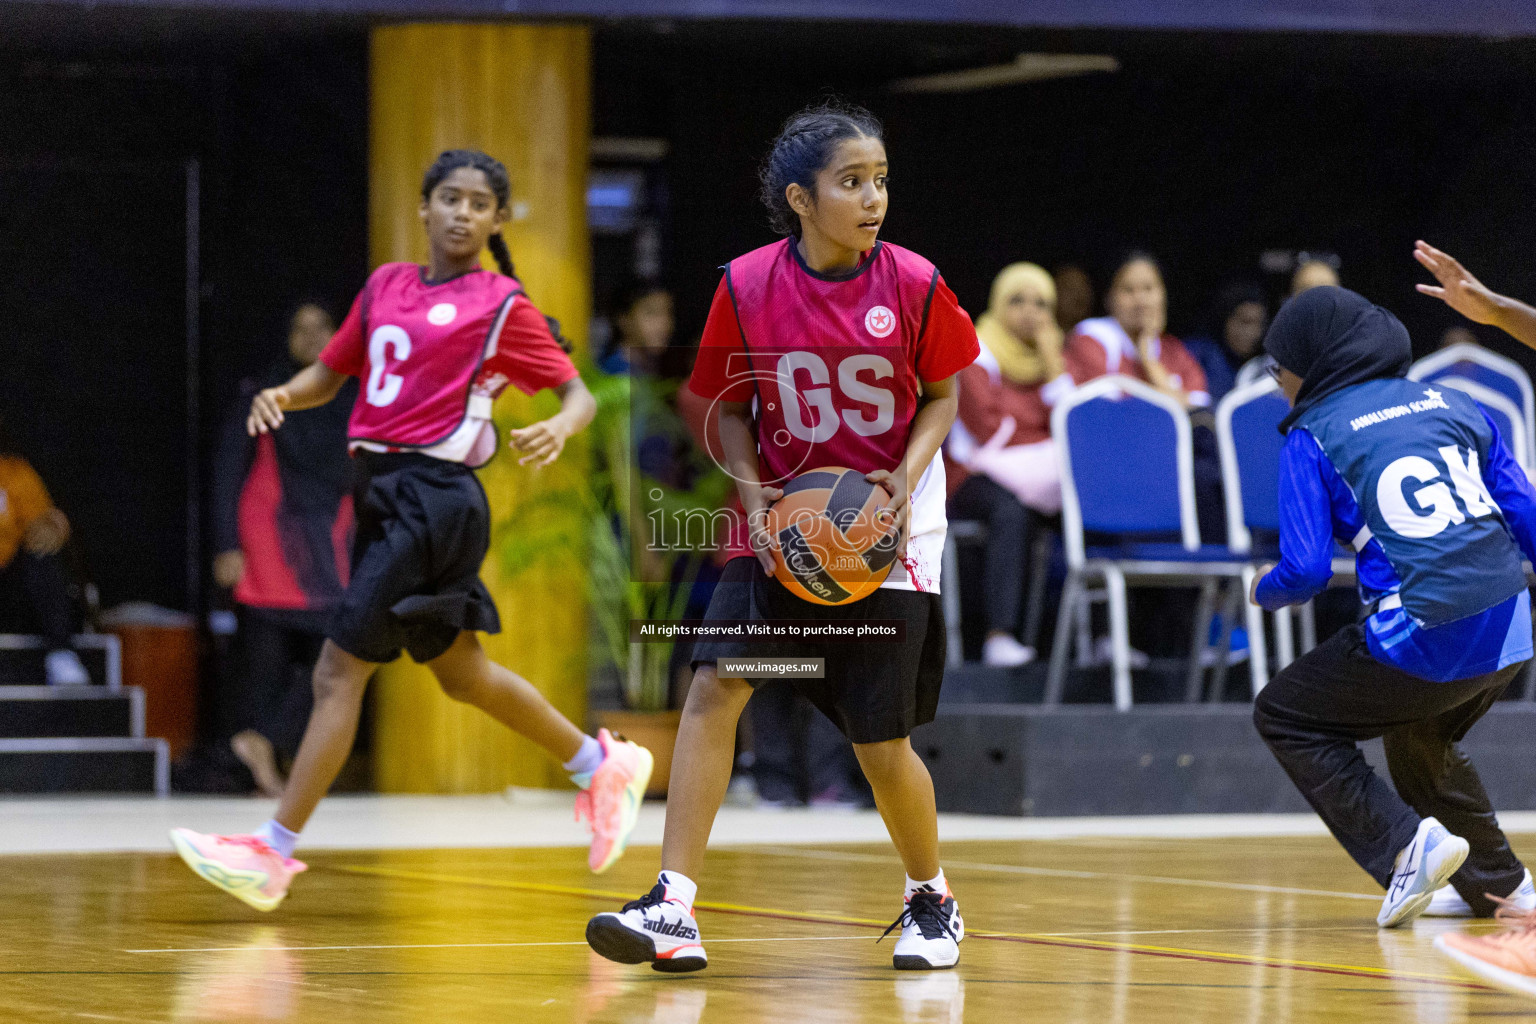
(1422, 866)
(1447, 902)
(1104, 654)
(653, 929)
(931, 932)
(64, 669)
(1003, 651)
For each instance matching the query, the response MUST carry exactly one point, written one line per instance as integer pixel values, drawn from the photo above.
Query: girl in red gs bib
(433, 347)
(827, 348)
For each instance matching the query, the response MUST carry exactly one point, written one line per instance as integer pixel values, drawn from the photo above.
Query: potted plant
(631, 576)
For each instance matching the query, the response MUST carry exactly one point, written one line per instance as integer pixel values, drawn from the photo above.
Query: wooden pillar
(521, 93)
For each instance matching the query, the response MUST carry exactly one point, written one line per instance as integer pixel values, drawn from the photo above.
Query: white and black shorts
(873, 691)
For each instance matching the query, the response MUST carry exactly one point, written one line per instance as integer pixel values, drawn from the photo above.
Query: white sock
(934, 884)
(586, 761)
(679, 887)
(279, 838)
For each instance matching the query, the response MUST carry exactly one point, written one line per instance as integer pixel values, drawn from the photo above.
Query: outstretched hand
(1457, 287)
(542, 441)
(267, 410)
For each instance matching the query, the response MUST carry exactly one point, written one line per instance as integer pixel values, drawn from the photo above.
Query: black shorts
(423, 528)
(873, 691)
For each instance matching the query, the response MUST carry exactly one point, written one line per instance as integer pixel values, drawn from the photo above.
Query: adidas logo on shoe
(675, 929)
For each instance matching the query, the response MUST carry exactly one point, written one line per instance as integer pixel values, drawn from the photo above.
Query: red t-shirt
(433, 357)
(1100, 346)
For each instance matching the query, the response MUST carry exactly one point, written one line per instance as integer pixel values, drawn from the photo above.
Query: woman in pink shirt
(1133, 339)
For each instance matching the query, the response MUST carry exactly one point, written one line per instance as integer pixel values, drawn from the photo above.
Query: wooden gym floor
(1097, 931)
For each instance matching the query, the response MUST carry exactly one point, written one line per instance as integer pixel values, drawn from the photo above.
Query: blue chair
(1504, 413)
(1127, 475)
(1492, 371)
(1249, 440)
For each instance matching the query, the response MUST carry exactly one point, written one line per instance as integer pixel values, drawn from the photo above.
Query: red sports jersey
(434, 356)
(835, 364)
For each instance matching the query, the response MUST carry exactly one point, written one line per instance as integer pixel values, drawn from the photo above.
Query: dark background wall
(96, 139)
(1206, 148)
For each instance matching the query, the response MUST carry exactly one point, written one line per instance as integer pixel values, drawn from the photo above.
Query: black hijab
(1333, 338)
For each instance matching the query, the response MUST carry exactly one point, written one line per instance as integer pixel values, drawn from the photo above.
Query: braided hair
(501, 184)
(805, 145)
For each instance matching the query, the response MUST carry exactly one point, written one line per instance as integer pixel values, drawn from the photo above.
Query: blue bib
(1413, 454)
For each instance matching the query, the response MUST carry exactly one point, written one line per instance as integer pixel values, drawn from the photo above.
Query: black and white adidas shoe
(652, 929)
(931, 932)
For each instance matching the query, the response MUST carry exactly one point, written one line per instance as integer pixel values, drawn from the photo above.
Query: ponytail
(498, 246)
(503, 255)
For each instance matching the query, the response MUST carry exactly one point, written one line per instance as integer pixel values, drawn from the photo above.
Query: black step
(92, 765)
(30, 712)
(21, 659)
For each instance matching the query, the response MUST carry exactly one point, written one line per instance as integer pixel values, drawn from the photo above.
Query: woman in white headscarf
(1002, 465)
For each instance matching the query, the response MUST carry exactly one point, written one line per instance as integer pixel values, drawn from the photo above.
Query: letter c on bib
(1436, 498)
(383, 388)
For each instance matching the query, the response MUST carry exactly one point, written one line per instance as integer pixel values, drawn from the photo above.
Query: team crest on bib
(880, 321)
(442, 314)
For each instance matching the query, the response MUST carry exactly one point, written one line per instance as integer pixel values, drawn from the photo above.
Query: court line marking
(1019, 869)
(1031, 938)
(471, 945)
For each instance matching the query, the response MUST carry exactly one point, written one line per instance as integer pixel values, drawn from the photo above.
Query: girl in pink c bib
(432, 346)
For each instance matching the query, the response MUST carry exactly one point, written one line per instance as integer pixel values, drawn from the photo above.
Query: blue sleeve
(1306, 527)
(1511, 490)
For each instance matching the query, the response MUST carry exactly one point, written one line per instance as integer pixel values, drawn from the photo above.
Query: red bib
(831, 358)
(424, 345)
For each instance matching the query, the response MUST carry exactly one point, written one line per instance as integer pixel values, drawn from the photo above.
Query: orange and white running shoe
(1507, 959)
(243, 866)
(611, 802)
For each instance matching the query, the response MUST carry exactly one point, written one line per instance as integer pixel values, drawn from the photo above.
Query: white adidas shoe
(931, 932)
(63, 668)
(654, 929)
(1422, 867)
(1004, 651)
(1447, 902)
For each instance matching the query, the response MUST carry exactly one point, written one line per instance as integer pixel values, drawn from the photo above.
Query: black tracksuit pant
(272, 691)
(1009, 526)
(34, 597)
(1313, 714)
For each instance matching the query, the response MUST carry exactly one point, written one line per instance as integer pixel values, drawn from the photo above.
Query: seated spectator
(643, 324)
(283, 524)
(1237, 336)
(1133, 340)
(1457, 335)
(34, 591)
(1074, 295)
(1314, 272)
(1002, 462)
